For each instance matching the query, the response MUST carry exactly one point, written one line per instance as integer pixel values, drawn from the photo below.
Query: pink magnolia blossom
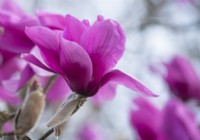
(13, 22)
(182, 79)
(174, 122)
(84, 54)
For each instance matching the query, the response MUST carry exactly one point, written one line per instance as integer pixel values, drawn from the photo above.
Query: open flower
(84, 54)
(182, 79)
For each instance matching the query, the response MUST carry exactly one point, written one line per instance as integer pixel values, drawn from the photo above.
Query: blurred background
(156, 30)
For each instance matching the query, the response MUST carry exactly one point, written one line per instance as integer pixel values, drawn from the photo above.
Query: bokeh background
(156, 30)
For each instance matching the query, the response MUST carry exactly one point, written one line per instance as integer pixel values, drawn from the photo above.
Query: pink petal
(11, 5)
(52, 21)
(104, 41)
(10, 86)
(10, 67)
(48, 42)
(25, 76)
(123, 79)
(32, 59)
(13, 38)
(76, 65)
(140, 116)
(74, 29)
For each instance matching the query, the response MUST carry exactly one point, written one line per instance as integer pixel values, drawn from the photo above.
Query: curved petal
(76, 65)
(52, 21)
(105, 42)
(74, 29)
(48, 42)
(123, 79)
(32, 59)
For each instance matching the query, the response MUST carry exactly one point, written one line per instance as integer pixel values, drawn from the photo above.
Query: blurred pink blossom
(13, 21)
(182, 79)
(91, 131)
(175, 121)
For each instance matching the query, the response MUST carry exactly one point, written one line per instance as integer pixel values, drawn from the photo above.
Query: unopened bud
(30, 112)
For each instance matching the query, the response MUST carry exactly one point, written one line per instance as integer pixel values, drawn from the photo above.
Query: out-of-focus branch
(47, 134)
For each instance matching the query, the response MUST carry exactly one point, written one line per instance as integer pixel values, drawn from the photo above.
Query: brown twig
(47, 134)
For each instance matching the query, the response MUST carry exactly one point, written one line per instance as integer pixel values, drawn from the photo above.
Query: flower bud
(30, 112)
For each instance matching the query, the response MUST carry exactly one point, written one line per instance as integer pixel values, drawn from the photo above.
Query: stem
(7, 134)
(47, 134)
(49, 83)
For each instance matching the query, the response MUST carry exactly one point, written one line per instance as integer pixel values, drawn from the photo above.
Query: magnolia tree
(48, 60)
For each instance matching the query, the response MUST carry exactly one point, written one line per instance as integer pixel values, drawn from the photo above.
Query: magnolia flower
(13, 22)
(179, 122)
(182, 79)
(146, 119)
(175, 121)
(84, 54)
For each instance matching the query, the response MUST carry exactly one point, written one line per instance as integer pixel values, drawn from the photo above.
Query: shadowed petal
(123, 79)
(58, 91)
(104, 41)
(74, 29)
(25, 76)
(76, 65)
(48, 42)
(105, 93)
(140, 116)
